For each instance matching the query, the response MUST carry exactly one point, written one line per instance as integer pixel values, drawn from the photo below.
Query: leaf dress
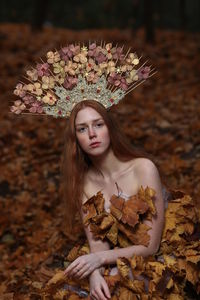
(172, 273)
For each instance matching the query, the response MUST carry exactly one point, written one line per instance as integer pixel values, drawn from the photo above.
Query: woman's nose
(91, 133)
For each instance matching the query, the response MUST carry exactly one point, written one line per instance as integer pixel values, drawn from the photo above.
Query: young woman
(99, 158)
(129, 226)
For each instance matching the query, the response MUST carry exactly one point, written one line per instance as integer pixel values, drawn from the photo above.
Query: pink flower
(70, 82)
(143, 73)
(118, 80)
(72, 50)
(117, 53)
(64, 54)
(92, 77)
(19, 90)
(100, 58)
(28, 99)
(92, 50)
(18, 107)
(43, 69)
(36, 108)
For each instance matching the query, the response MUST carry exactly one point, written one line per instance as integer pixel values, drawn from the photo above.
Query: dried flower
(59, 67)
(118, 80)
(48, 82)
(53, 57)
(43, 69)
(70, 68)
(132, 59)
(19, 90)
(143, 73)
(34, 88)
(70, 82)
(18, 107)
(36, 108)
(133, 76)
(110, 67)
(92, 77)
(49, 98)
(32, 74)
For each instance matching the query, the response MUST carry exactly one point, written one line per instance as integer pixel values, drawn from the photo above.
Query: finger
(101, 295)
(106, 290)
(70, 268)
(93, 296)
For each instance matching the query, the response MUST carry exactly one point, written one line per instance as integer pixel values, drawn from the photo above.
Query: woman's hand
(83, 265)
(98, 287)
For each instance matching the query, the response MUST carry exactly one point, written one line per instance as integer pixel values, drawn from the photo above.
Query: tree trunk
(39, 14)
(148, 21)
(182, 14)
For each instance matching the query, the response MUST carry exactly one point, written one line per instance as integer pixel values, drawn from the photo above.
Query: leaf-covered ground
(162, 117)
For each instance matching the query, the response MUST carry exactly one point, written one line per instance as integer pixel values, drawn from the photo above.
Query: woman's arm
(147, 175)
(95, 245)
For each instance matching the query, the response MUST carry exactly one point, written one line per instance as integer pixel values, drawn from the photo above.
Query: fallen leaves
(31, 148)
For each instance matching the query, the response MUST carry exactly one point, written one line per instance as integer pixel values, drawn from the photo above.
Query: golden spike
(134, 86)
(127, 53)
(38, 114)
(142, 65)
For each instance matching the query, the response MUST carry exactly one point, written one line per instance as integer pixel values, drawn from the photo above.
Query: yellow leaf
(91, 212)
(126, 294)
(116, 212)
(175, 297)
(123, 241)
(57, 278)
(73, 253)
(107, 222)
(123, 267)
(112, 234)
(99, 202)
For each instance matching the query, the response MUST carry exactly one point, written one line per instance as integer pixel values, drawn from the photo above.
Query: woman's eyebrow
(81, 124)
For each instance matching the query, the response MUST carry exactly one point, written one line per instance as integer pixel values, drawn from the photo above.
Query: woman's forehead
(87, 114)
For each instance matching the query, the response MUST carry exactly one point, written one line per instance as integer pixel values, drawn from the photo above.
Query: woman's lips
(94, 145)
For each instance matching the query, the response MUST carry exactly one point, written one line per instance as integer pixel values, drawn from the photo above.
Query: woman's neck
(108, 165)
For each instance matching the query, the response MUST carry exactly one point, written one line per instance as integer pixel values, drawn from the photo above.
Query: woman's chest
(122, 187)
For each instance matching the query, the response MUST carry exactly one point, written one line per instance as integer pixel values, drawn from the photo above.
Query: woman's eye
(99, 124)
(81, 129)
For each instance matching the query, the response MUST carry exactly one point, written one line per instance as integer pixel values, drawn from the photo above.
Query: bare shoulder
(145, 168)
(89, 187)
(142, 163)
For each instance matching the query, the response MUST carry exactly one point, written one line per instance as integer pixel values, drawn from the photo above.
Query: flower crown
(75, 73)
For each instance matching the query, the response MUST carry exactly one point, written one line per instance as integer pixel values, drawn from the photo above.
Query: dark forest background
(174, 14)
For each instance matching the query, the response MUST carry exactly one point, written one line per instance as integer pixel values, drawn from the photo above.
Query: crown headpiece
(104, 73)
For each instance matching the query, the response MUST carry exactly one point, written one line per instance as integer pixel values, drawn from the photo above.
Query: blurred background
(162, 117)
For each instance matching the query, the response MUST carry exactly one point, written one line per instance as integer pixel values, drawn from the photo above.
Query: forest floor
(162, 117)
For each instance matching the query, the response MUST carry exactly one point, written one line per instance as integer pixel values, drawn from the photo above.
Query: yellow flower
(48, 82)
(32, 74)
(107, 51)
(132, 76)
(132, 59)
(53, 57)
(34, 88)
(110, 67)
(49, 98)
(70, 68)
(81, 57)
(59, 67)
(60, 78)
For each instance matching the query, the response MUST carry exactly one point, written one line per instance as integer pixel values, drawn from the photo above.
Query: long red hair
(76, 163)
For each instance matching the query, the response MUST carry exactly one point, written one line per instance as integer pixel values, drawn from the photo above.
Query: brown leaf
(112, 234)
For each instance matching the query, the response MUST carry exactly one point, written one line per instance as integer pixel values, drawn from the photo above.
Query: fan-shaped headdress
(104, 73)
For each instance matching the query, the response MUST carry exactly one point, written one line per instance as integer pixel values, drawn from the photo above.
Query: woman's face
(91, 132)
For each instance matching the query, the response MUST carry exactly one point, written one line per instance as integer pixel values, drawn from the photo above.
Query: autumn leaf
(112, 234)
